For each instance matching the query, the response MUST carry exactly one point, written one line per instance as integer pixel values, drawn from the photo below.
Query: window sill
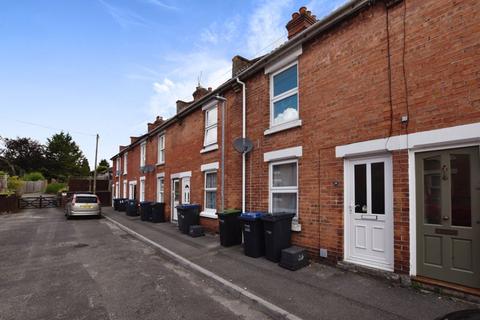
(125, 174)
(283, 126)
(160, 164)
(212, 214)
(209, 148)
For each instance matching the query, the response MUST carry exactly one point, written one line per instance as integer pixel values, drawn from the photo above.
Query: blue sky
(110, 66)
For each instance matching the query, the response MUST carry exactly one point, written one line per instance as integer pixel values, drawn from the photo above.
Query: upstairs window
(125, 157)
(143, 154)
(117, 173)
(161, 149)
(284, 96)
(211, 120)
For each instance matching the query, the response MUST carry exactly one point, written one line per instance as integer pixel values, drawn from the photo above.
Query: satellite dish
(243, 145)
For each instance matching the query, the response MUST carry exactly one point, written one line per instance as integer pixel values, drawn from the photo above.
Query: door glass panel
(432, 196)
(176, 190)
(378, 188)
(460, 184)
(360, 171)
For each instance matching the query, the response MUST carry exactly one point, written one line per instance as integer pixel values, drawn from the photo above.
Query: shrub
(34, 176)
(54, 188)
(14, 184)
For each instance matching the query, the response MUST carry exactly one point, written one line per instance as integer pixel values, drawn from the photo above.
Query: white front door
(175, 197)
(369, 212)
(186, 190)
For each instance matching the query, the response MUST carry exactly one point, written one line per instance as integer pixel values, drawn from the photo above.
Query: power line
(54, 128)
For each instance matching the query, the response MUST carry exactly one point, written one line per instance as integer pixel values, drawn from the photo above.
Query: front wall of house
(344, 98)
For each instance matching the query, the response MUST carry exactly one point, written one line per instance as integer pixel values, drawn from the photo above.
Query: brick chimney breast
(182, 105)
(300, 21)
(158, 121)
(199, 92)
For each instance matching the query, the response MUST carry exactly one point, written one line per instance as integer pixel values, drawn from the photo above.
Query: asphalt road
(51, 268)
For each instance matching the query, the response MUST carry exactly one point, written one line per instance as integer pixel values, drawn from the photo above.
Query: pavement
(51, 268)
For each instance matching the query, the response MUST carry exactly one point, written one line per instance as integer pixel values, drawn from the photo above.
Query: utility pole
(95, 167)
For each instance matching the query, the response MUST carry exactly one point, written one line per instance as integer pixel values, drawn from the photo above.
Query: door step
(447, 288)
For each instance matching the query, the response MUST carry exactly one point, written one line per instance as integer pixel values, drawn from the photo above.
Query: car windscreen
(85, 199)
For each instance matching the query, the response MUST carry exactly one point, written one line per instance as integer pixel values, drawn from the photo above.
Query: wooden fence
(8, 203)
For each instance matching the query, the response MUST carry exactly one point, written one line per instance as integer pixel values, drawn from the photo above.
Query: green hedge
(34, 176)
(54, 188)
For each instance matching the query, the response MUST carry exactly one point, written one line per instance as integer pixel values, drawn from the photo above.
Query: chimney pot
(300, 21)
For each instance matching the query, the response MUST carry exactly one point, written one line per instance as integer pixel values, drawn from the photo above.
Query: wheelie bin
(188, 215)
(230, 227)
(278, 232)
(253, 235)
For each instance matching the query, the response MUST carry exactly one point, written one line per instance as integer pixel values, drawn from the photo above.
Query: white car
(83, 204)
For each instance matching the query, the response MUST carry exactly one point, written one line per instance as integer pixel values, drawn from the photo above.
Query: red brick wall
(344, 98)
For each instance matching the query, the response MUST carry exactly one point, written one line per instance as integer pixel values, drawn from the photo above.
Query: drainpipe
(244, 135)
(222, 165)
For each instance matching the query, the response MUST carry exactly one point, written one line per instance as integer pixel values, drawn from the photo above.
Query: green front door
(448, 215)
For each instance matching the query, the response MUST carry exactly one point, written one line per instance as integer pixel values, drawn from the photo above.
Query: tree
(103, 166)
(65, 158)
(22, 155)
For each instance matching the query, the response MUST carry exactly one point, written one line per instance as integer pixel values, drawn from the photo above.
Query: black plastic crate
(196, 231)
(294, 258)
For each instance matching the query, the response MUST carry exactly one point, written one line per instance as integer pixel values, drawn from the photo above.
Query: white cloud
(266, 26)
(289, 114)
(124, 17)
(180, 80)
(221, 33)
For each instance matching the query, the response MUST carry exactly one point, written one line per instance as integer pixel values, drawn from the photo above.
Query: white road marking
(270, 306)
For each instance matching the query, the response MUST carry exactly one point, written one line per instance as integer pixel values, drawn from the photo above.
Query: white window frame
(160, 188)
(118, 166)
(125, 163)
(161, 149)
(289, 189)
(125, 190)
(117, 189)
(130, 188)
(209, 212)
(143, 154)
(289, 93)
(210, 127)
(142, 190)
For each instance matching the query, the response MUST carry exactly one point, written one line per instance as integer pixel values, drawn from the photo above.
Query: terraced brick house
(365, 124)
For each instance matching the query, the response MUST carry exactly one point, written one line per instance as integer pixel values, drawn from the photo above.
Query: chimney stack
(199, 93)
(158, 121)
(133, 140)
(300, 21)
(181, 105)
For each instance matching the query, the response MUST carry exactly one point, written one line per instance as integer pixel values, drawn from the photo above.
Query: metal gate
(38, 202)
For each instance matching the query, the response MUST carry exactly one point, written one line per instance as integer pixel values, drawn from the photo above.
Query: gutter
(328, 22)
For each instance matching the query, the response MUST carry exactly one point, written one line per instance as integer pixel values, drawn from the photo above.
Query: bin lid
(230, 211)
(250, 216)
(145, 203)
(277, 216)
(187, 206)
